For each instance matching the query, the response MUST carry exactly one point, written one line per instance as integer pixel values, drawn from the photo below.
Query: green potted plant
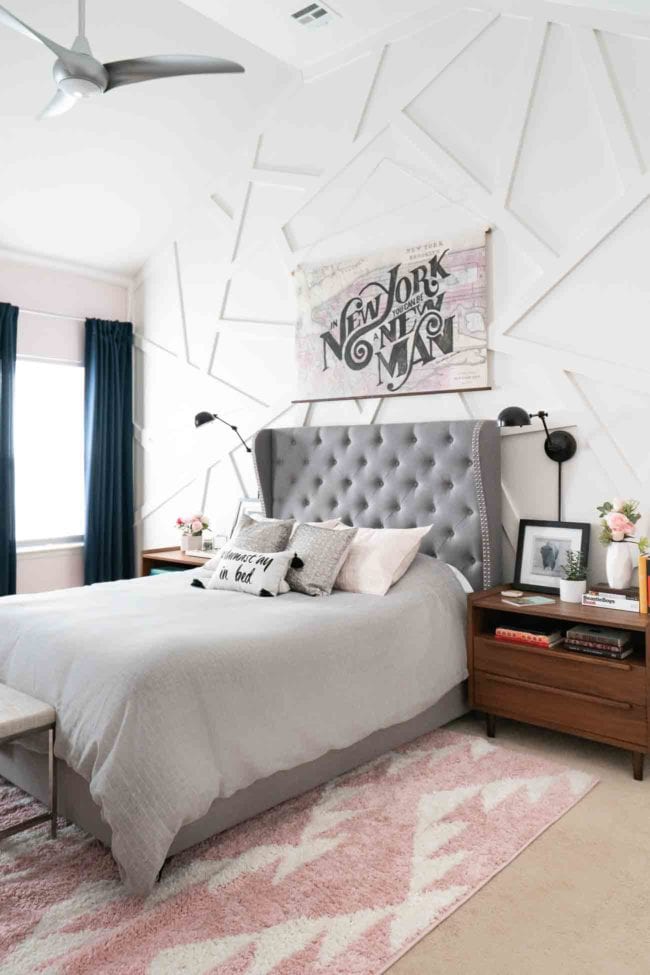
(574, 583)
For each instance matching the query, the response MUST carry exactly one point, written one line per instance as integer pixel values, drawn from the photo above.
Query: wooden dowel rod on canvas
(488, 230)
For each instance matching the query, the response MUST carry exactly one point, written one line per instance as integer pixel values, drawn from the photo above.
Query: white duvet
(169, 696)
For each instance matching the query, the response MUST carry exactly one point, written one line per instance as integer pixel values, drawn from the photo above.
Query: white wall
(54, 300)
(535, 125)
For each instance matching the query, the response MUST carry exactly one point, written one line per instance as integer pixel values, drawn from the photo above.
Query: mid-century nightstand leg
(491, 725)
(637, 765)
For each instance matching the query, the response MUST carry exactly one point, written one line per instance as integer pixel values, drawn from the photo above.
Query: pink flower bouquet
(192, 525)
(618, 520)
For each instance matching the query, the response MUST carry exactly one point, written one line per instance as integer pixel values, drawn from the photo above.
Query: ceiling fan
(79, 75)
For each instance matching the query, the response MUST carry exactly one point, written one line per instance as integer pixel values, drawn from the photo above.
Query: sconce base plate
(560, 446)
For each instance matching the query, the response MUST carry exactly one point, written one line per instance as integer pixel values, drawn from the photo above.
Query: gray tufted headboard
(395, 475)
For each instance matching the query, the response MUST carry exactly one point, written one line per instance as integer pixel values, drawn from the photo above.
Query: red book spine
(515, 636)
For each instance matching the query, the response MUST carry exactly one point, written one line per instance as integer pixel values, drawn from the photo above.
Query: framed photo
(247, 506)
(542, 550)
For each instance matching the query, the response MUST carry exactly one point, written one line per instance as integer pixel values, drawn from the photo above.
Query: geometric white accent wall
(537, 126)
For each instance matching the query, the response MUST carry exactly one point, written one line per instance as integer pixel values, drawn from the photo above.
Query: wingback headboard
(395, 475)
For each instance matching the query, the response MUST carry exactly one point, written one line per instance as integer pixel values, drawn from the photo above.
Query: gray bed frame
(381, 475)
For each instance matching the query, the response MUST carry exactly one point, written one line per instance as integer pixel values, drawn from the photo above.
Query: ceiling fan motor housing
(93, 80)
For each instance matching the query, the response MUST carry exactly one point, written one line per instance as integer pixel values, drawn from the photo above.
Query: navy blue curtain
(109, 540)
(8, 323)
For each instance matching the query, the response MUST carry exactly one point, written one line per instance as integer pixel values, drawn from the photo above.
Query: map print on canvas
(402, 321)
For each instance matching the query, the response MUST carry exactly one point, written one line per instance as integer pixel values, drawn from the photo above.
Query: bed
(182, 712)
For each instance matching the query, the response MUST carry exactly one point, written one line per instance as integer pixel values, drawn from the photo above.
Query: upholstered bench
(22, 715)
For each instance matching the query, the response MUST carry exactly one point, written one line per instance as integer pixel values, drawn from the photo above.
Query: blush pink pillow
(378, 558)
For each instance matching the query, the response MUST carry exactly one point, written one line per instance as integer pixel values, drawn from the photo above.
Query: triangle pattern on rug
(419, 911)
(498, 791)
(399, 854)
(199, 957)
(345, 930)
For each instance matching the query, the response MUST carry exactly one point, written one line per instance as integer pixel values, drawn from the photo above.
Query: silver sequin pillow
(322, 552)
(263, 535)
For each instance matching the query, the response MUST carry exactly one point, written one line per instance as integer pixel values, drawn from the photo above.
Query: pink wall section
(64, 292)
(45, 570)
(54, 303)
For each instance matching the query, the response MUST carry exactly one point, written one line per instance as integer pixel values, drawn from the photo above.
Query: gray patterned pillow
(322, 551)
(264, 535)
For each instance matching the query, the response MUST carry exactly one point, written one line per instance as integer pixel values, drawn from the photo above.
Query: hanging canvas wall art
(399, 322)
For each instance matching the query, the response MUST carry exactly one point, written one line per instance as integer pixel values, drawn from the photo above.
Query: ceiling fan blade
(165, 66)
(58, 105)
(69, 58)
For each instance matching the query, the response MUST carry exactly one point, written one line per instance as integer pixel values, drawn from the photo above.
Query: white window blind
(49, 452)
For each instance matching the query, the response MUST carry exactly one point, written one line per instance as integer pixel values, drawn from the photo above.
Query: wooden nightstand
(153, 558)
(605, 700)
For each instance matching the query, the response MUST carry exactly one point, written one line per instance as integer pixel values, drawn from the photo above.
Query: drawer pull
(592, 699)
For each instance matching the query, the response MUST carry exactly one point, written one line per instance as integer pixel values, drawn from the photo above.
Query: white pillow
(257, 573)
(378, 558)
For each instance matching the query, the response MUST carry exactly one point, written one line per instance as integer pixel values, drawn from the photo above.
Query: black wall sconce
(202, 418)
(559, 445)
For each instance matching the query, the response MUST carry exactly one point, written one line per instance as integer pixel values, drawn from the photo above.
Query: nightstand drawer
(562, 709)
(618, 680)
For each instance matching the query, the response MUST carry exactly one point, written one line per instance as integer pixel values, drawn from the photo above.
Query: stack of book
(546, 637)
(599, 641)
(604, 597)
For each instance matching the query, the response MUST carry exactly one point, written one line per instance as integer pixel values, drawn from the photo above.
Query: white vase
(193, 543)
(572, 591)
(620, 564)
(184, 539)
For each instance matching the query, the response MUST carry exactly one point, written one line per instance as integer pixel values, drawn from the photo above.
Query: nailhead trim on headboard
(260, 492)
(482, 508)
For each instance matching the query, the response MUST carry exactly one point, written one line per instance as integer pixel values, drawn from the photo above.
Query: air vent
(313, 15)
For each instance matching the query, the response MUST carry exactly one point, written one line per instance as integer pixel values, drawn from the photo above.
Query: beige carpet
(576, 902)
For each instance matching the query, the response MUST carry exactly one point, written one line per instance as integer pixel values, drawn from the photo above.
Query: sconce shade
(202, 418)
(513, 416)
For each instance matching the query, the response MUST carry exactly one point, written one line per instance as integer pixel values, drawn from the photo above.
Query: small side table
(160, 558)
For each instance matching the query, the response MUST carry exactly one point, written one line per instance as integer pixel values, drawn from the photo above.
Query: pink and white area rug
(341, 881)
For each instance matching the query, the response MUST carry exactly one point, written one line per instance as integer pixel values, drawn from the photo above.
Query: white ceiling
(268, 23)
(106, 184)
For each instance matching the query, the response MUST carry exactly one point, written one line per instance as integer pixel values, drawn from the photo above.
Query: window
(49, 452)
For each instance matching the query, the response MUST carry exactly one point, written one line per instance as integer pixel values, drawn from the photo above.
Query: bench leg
(53, 785)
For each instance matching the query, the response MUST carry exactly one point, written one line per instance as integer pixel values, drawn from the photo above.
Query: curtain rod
(50, 314)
